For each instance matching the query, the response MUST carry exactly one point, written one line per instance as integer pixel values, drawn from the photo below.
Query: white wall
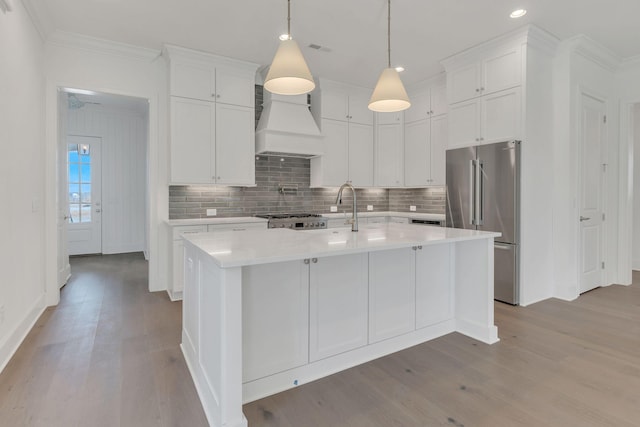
(635, 262)
(22, 177)
(580, 67)
(87, 63)
(124, 170)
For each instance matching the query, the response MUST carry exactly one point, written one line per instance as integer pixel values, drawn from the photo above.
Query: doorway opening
(103, 175)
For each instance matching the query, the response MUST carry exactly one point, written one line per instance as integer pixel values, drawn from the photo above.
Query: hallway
(107, 355)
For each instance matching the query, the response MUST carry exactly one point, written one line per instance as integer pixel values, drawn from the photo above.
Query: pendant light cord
(289, 18)
(389, 35)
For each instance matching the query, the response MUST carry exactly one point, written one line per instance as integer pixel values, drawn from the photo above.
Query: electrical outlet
(412, 208)
(369, 207)
(334, 209)
(212, 212)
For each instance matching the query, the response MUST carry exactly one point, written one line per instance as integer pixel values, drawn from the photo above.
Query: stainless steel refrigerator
(483, 186)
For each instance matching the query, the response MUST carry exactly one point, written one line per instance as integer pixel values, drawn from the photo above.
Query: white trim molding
(109, 47)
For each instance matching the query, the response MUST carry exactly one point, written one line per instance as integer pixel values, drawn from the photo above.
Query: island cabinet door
(275, 318)
(434, 290)
(337, 305)
(391, 293)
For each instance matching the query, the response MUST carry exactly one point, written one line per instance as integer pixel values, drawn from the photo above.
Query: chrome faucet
(354, 218)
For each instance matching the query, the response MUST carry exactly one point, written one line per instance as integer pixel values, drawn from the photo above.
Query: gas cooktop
(295, 221)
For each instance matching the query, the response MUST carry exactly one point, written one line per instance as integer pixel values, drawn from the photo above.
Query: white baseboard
(10, 344)
(123, 249)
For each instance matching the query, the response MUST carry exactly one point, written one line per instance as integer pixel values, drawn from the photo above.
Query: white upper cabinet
(425, 135)
(497, 71)
(212, 119)
(389, 155)
(339, 104)
(491, 118)
(348, 138)
(361, 155)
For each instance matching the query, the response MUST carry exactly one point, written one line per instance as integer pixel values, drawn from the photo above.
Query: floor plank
(108, 355)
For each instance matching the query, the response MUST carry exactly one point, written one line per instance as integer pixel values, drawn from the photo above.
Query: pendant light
(389, 95)
(289, 74)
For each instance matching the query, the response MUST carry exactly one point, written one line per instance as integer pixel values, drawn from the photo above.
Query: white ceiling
(423, 31)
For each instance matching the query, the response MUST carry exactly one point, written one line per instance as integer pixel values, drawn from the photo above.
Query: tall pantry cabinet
(503, 90)
(212, 118)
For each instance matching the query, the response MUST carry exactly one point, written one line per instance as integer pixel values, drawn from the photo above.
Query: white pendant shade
(289, 74)
(389, 95)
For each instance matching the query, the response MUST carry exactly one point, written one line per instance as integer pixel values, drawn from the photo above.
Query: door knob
(584, 218)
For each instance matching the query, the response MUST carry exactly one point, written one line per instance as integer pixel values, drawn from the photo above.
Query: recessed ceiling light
(518, 13)
(284, 37)
(400, 69)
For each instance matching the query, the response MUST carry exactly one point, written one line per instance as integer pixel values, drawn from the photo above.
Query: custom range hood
(287, 128)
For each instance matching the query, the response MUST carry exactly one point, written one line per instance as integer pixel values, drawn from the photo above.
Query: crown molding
(530, 34)
(631, 62)
(594, 51)
(6, 6)
(39, 15)
(109, 47)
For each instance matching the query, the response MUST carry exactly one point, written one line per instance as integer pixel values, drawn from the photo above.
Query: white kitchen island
(267, 310)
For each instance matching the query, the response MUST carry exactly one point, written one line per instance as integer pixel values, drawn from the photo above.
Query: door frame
(626, 191)
(604, 229)
(52, 202)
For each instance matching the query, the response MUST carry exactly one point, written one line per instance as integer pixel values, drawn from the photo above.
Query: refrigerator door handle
(472, 193)
(480, 180)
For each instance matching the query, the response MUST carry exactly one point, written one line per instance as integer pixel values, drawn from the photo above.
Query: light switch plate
(369, 207)
(212, 212)
(412, 208)
(334, 209)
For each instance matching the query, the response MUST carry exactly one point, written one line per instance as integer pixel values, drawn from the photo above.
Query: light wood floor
(108, 355)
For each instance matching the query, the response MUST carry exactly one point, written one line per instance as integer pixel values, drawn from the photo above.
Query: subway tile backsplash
(282, 185)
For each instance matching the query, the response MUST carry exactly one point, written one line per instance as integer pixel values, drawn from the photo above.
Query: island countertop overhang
(252, 247)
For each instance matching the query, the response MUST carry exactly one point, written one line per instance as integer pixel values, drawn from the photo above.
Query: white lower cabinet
(275, 318)
(302, 311)
(434, 294)
(409, 289)
(338, 305)
(391, 293)
(177, 251)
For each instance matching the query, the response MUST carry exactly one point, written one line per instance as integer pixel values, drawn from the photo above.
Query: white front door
(592, 171)
(84, 195)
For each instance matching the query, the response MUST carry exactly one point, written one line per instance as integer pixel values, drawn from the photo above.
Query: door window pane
(73, 153)
(85, 213)
(85, 193)
(74, 172)
(74, 193)
(74, 213)
(85, 173)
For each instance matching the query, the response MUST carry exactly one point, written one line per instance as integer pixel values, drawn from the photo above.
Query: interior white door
(592, 173)
(84, 228)
(64, 269)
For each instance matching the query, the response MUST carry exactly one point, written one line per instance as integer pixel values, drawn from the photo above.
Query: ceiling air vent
(318, 47)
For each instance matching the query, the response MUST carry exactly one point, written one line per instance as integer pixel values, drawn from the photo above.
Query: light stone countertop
(253, 219)
(252, 247)
(365, 214)
(214, 220)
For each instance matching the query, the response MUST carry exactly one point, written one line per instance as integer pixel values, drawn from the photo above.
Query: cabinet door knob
(481, 89)
(213, 95)
(477, 139)
(420, 247)
(314, 260)
(477, 90)
(414, 248)
(217, 96)
(431, 112)
(306, 260)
